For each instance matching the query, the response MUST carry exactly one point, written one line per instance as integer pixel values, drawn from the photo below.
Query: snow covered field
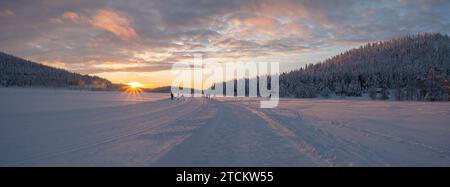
(72, 128)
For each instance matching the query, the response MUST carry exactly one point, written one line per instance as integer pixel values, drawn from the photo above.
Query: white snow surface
(41, 127)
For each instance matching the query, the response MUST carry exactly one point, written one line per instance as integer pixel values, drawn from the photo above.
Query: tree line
(15, 71)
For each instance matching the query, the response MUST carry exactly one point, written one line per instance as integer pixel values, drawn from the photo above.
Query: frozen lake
(41, 127)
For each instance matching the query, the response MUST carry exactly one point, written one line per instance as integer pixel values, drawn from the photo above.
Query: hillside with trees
(18, 72)
(409, 68)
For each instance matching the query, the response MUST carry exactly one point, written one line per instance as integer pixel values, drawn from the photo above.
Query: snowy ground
(72, 128)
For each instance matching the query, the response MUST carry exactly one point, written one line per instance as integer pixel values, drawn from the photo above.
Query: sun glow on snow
(134, 88)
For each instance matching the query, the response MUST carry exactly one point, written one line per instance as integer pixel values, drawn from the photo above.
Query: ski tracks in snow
(222, 132)
(236, 136)
(96, 140)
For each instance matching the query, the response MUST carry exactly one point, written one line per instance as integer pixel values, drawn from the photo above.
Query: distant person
(171, 96)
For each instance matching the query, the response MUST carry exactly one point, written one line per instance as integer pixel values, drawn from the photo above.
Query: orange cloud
(104, 19)
(115, 23)
(56, 63)
(279, 8)
(72, 16)
(252, 26)
(259, 22)
(265, 28)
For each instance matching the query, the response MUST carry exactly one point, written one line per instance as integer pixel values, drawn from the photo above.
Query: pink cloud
(104, 19)
(114, 22)
(72, 16)
(6, 13)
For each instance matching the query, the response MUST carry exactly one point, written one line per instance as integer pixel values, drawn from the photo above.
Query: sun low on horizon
(135, 84)
(133, 88)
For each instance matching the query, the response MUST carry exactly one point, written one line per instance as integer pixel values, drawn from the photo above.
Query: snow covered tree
(15, 71)
(401, 66)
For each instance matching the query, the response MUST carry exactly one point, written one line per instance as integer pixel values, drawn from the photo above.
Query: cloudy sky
(138, 40)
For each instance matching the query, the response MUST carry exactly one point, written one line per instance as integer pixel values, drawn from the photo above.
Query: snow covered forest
(409, 68)
(15, 71)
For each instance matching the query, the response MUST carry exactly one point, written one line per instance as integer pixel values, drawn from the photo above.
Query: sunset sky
(139, 40)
